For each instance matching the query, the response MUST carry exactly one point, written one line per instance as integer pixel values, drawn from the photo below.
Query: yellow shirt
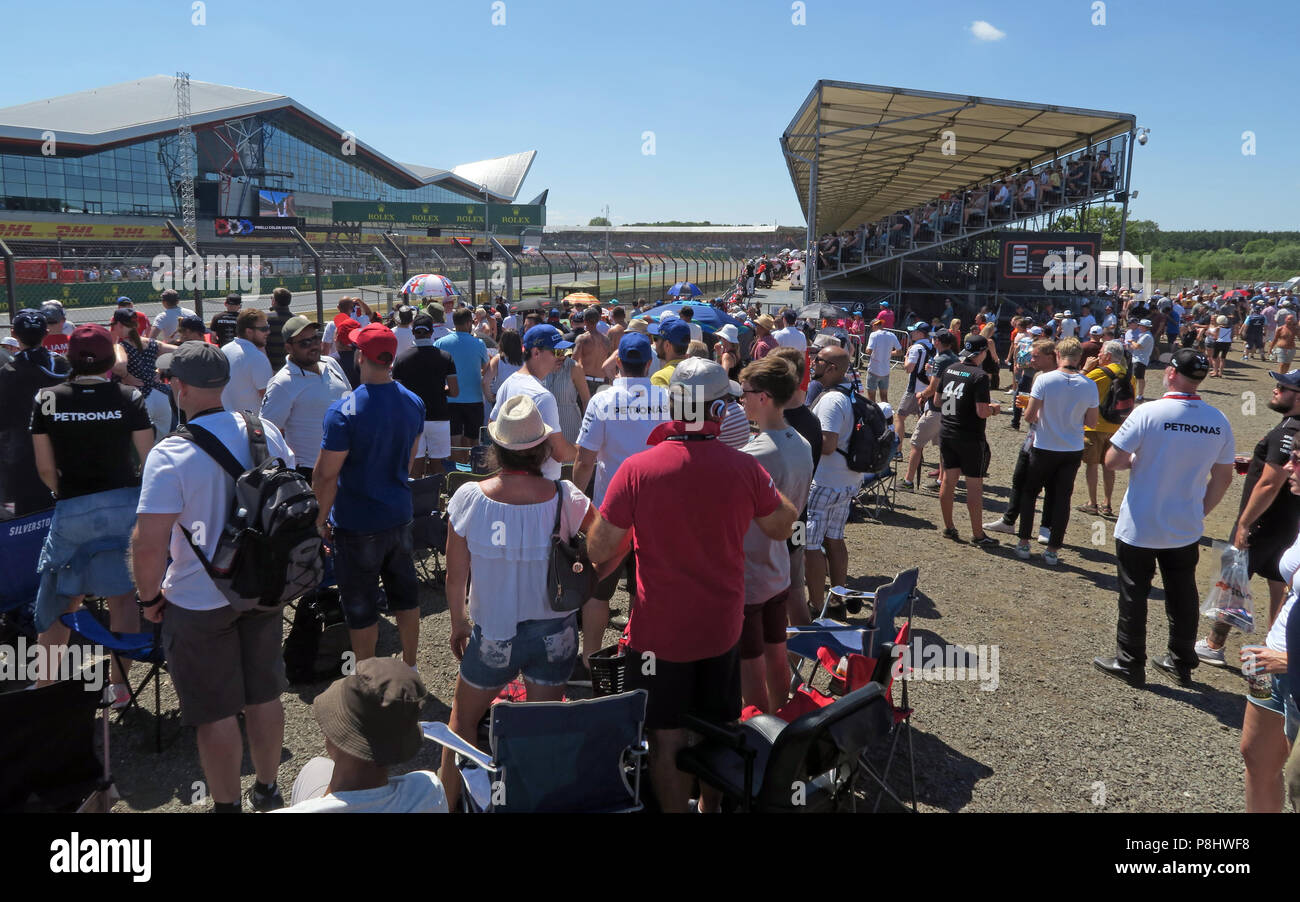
(662, 377)
(1102, 376)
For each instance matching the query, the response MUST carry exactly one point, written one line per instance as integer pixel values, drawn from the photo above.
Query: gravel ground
(1054, 735)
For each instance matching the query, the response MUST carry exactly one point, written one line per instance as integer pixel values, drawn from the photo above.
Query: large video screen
(1023, 257)
(275, 203)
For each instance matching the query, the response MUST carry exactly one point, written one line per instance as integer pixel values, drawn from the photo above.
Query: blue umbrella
(710, 319)
(685, 288)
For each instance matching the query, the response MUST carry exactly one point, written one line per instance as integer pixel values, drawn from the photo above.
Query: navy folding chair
(428, 526)
(20, 550)
(581, 756)
(47, 749)
(145, 648)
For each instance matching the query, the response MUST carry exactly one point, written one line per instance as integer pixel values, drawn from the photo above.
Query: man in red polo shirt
(684, 632)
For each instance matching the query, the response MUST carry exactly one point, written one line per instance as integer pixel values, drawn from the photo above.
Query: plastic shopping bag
(1229, 600)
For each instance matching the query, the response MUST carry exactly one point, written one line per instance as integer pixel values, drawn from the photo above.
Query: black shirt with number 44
(961, 388)
(90, 426)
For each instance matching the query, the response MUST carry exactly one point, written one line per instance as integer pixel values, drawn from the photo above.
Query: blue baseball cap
(919, 327)
(1290, 380)
(547, 337)
(884, 304)
(674, 331)
(634, 348)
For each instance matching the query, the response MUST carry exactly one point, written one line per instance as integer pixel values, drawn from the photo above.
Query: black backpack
(871, 443)
(1120, 397)
(269, 551)
(317, 640)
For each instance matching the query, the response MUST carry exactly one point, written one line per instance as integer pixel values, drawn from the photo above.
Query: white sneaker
(1044, 535)
(1022, 550)
(1000, 525)
(1209, 654)
(1051, 558)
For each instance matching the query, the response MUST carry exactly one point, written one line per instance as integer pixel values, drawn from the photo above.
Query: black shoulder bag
(571, 578)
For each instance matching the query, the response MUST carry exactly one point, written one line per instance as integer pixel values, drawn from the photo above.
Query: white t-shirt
(1145, 345)
(405, 339)
(419, 792)
(617, 423)
(524, 383)
(328, 338)
(1067, 328)
(1174, 443)
(509, 584)
(1086, 322)
(167, 321)
(880, 345)
(835, 413)
(697, 331)
(1109, 321)
(1289, 568)
(510, 323)
(180, 478)
(250, 372)
(791, 337)
(1066, 398)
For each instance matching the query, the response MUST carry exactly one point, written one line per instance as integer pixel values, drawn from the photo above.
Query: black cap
(974, 346)
(125, 316)
(191, 323)
(1190, 363)
(423, 322)
(30, 326)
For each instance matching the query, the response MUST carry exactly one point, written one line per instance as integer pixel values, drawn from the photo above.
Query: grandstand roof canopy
(880, 150)
(94, 120)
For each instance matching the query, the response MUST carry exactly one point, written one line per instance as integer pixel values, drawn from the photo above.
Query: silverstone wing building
(115, 151)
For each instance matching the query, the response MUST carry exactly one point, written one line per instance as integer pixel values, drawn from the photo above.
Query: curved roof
(94, 120)
(881, 150)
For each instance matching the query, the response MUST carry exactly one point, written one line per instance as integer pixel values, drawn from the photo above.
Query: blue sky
(717, 81)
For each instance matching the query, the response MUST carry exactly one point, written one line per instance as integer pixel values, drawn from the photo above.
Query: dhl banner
(51, 231)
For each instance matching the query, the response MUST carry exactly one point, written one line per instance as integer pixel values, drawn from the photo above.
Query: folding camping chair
(429, 526)
(888, 601)
(47, 749)
(809, 764)
(881, 488)
(841, 652)
(554, 756)
(145, 648)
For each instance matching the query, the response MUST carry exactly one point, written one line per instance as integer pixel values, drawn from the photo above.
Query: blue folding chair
(575, 756)
(888, 602)
(145, 648)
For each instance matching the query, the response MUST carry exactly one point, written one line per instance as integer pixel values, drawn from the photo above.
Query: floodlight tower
(185, 158)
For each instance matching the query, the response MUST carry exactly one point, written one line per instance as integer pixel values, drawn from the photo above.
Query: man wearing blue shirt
(369, 446)
(471, 357)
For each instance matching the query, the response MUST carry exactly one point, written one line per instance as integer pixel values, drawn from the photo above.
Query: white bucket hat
(519, 426)
(729, 333)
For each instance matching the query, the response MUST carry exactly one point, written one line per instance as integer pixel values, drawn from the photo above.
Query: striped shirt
(735, 426)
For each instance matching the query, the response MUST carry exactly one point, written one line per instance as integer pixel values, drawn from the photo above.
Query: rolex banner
(503, 218)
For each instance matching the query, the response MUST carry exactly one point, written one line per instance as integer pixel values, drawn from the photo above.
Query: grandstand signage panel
(50, 231)
(503, 217)
(1022, 256)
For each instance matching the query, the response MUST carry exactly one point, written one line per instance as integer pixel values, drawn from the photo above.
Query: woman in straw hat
(502, 528)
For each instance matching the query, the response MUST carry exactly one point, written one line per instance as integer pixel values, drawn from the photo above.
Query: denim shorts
(85, 551)
(543, 650)
(1282, 703)
(361, 559)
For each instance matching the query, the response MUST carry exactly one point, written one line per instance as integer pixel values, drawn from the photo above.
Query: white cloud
(983, 31)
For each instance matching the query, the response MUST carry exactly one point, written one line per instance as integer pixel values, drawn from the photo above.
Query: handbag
(571, 577)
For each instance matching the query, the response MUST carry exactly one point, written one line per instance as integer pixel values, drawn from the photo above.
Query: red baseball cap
(345, 330)
(377, 343)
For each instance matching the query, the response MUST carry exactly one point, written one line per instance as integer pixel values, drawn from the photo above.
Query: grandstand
(743, 241)
(905, 191)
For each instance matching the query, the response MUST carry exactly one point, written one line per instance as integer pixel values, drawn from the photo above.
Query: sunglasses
(752, 391)
(261, 328)
(307, 342)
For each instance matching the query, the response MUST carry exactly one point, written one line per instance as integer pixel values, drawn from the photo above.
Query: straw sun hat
(519, 426)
